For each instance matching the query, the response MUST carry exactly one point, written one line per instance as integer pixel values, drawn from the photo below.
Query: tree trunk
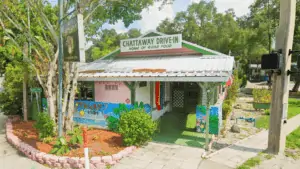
(69, 119)
(25, 84)
(51, 92)
(66, 92)
(296, 86)
(25, 94)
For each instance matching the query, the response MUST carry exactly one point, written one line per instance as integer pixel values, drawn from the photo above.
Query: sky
(152, 16)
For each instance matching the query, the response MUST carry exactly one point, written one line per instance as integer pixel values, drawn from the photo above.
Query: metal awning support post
(131, 87)
(207, 95)
(151, 96)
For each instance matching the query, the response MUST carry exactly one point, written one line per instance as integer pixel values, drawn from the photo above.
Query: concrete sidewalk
(10, 158)
(236, 154)
(167, 156)
(164, 156)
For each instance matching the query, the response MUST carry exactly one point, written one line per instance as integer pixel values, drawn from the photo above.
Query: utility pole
(280, 93)
(60, 67)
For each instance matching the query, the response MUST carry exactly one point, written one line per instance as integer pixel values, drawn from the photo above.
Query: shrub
(48, 139)
(11, 98)
(244, 81)
(234, 88)
(262, 95)
(136, 127)
(267, 112)
(113, 121)
(76, 136)
(44, 125)
(60, 147)
(226, 109)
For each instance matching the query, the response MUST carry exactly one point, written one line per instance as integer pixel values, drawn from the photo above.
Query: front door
(185, 97)
(178, 99)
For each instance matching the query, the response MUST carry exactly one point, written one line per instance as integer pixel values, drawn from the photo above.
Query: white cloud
(152, 16)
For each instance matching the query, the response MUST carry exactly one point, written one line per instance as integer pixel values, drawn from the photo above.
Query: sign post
(86, 149)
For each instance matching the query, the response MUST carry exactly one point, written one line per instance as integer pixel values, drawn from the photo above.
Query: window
(143, 84)
(86, 91)
(111, 87)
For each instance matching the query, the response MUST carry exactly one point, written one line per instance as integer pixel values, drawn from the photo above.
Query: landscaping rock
(235, 129)
(66, 165)
(62, 159)
(82, 161)
(107, 159)
(96, 160)
(117, 157)
(100, 166)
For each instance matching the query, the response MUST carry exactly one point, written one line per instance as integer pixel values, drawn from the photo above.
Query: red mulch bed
(100, 142)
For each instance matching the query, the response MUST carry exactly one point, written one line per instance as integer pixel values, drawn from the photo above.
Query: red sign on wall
(157, 95)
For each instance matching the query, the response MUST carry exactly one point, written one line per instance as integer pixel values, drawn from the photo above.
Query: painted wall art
(102, 114)
(215, 119)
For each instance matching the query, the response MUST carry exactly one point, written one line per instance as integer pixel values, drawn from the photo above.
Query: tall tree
(108, 42)
(44, 38)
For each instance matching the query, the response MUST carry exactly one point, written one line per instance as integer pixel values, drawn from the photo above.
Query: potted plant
(262, 98)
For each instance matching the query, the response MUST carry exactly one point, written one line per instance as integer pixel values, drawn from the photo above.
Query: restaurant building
(162, 73)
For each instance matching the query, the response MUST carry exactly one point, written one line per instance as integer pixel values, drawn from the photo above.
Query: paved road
(10, 158)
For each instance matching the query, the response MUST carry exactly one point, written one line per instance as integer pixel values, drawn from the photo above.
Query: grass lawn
(293, 144)
(293, 139)
(255, 161)
(293, 110)
(176, 128)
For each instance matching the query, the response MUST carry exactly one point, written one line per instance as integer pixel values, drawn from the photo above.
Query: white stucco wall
(142, 94)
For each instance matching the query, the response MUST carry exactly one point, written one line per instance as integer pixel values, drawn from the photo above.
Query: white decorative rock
(107, 159)
(117, 157)
(95, 160)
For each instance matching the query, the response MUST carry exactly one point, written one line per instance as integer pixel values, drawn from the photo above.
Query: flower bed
(38, 155)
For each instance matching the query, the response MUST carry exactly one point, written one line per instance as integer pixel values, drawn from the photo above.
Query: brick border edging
(61, 161)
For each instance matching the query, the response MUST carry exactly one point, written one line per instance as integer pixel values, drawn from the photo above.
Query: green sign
(151, 43)
(36, 89)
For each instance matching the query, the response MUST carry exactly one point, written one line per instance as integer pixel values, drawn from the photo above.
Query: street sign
(151, 43)
(36, 89)
(71, 40)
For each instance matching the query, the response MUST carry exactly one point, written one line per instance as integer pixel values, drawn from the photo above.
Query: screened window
(143, 84)
(111, 87)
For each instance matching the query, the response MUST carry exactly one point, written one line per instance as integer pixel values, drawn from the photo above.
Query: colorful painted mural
(214, 119)
(101, 113)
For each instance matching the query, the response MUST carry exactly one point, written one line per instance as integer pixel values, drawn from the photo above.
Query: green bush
(226, 109)
(76, 136)
(267, 112)
(136, 127)
(234, 88)
(244, 81)
(262, 95)
(61, 147)
(11, 98)
(113, 122)
(44, 125)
